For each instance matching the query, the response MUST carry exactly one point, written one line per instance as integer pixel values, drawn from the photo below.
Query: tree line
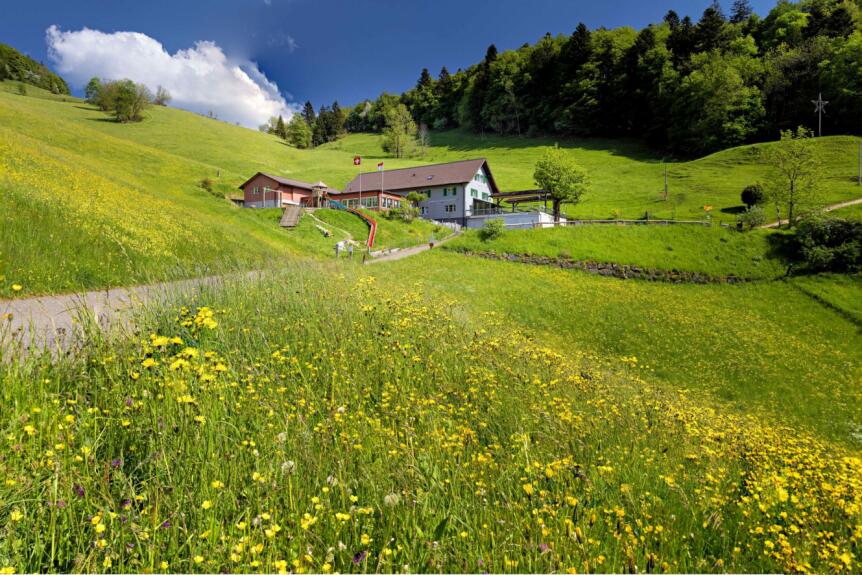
(16, 66)
(306, 128)
(689, 86)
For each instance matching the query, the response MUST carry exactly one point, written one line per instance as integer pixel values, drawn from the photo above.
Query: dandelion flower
(207, 504)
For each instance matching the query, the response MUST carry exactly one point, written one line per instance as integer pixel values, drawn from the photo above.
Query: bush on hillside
(492, 230)
(829, 244)
(751, 218)
(126, 99)
(752, 195)
(405, 213)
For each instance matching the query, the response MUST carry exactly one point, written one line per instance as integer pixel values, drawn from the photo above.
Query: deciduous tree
(564, 180)
(796, 172)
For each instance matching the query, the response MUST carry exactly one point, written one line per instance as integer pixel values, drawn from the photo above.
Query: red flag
(357, 160)
(380, 166)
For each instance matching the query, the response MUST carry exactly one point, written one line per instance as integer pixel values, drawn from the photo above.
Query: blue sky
(326, 50)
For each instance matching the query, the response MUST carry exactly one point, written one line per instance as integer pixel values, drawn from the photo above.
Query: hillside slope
(81, 208)
(120, 203)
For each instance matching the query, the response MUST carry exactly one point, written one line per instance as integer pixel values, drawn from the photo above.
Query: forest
(691, 86)
(16, 66)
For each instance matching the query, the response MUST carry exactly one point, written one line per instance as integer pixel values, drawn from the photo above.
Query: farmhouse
(268, 191)
(455, 191)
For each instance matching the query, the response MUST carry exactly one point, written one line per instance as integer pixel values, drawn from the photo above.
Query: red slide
(372, 224)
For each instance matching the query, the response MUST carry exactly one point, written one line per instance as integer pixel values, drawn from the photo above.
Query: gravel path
(407, 252)
(833, 207)
(54, 322)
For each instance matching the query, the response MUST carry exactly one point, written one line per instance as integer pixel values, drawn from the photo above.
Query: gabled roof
(423, 176)
(285, 182)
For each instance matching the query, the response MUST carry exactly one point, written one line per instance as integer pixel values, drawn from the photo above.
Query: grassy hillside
(763, 346)
(627, 178)
(264, 433)
(710, 250)
(88, 203)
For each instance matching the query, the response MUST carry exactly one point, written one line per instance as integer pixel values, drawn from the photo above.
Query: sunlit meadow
(329, 424)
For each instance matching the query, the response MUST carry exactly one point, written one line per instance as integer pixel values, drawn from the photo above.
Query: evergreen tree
(708, 33)
(425, 79)
(280, 129)
(308, 114)
(476, 102)
(336, 122)
(741, 11)
(682, 43)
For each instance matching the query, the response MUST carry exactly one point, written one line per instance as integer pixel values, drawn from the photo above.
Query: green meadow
(758, 346)
(443, 412)
(114, 207)
(709, 250)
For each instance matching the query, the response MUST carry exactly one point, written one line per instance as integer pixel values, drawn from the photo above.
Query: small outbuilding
(268, 191)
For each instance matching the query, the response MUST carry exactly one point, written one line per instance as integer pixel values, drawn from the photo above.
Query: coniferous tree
(708, 32)
(308, 114)
(741, 11)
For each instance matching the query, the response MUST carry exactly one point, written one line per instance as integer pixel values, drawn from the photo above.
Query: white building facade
(454, 191)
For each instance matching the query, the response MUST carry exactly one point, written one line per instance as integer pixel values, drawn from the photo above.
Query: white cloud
(201, 78)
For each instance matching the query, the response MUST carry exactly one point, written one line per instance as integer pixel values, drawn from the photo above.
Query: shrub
(492, 230)
(130, 101)
(829, 244)
(404, 212)
(752, 195)
(22, 88)
(752, 217)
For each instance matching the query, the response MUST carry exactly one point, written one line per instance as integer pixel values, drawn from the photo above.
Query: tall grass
(313, 421)
(709, 250)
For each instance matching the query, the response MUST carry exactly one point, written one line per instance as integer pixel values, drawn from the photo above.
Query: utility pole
(665, 181)
(819, 109)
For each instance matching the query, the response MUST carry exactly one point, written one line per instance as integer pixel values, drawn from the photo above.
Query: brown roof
(423, 176)
(286, 182)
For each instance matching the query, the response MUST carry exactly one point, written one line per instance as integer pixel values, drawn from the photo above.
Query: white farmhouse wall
(455, 201)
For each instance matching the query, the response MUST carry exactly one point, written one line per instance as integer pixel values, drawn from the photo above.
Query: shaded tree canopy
(690, 86)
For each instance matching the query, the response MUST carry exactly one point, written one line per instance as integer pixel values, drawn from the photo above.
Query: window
(445, 192)
(454, 191)
(485, 197)
(474, 193)
(450, 208)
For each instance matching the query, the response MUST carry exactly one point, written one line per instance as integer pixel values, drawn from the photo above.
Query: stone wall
(622, 271)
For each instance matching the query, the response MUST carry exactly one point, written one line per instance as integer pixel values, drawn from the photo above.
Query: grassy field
(758, 347)
(265, 434)
(438, 413)
(709, 250)
(842, 292)
(850, 212)
(390, 233)
(627, 178)
(112, 210)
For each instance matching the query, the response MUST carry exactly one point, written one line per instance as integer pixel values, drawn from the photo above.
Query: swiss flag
(380, 167)
(357, 160)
